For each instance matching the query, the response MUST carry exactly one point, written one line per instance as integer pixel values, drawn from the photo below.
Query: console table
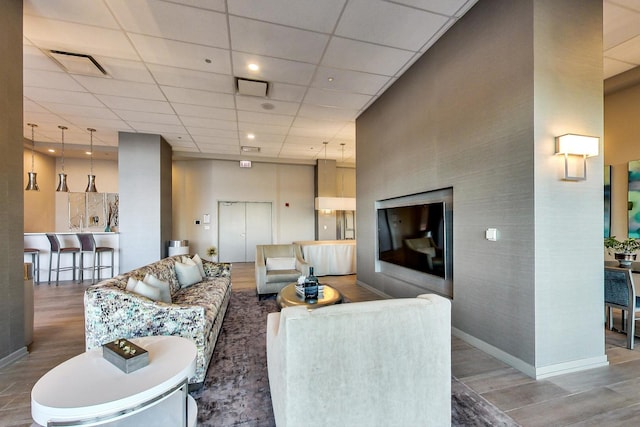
(330, 257)
(89, 390)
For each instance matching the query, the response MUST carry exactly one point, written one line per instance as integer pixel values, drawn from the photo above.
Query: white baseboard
(530, 370)
(16, 355)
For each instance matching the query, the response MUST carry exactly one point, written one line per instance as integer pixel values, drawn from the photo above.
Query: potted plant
(212, 251)
(623, 250)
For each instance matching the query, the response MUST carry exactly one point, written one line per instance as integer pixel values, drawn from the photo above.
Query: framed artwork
(634, 199)
(607, 201)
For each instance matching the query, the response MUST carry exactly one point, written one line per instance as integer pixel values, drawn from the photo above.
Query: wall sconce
(577, 146)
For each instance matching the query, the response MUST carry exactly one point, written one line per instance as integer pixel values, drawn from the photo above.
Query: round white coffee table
(87, 389)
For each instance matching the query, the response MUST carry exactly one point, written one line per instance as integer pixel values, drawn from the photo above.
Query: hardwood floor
(608, 396)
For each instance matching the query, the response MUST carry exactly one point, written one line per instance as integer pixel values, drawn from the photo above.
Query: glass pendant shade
(32, 185)
(62, 183)
(91, 185)
(62, 177)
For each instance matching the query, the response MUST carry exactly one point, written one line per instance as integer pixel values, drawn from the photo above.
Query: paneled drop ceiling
(172, 68)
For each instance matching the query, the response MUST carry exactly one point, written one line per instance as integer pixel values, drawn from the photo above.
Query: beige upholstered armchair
(375, 363)
(277, 266)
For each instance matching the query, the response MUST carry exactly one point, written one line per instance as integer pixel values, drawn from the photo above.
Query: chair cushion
(276, 276)
(281, 263)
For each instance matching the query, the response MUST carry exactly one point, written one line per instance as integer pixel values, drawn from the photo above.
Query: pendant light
(91, 185)
(32, 185)
(62, 182)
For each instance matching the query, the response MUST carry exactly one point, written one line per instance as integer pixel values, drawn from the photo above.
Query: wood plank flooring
(608, 396)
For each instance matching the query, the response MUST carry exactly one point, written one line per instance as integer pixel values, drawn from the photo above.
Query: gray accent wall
(12, 182)
(479, 113)
(144, 176)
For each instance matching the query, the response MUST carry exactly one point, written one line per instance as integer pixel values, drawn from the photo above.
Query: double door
(242, 226)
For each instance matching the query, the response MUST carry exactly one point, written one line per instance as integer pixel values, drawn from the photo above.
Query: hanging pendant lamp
(91, 185)
(32, 185)
(62, 182)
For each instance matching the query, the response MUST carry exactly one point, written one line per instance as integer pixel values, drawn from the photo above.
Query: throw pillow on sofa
(196, 258)
(187, 274)
(146, 290)
(165, 290)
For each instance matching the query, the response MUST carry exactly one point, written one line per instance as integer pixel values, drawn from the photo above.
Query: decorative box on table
(127, 356)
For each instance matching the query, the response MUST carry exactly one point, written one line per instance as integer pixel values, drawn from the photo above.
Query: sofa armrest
(112, 313)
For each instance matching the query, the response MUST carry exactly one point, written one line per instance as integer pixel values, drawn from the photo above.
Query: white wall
(198, 186)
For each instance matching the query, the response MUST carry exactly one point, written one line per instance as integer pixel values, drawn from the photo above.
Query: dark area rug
(236, 389)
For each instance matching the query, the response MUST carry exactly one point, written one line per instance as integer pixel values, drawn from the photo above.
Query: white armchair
(377, 363)
(277, 266)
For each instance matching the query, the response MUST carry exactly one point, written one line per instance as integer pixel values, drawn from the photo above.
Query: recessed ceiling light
(207, 60)
(330, 79)
(253, 67)
(88, 153)
(267, 106)
(251, 136)
(51, 150)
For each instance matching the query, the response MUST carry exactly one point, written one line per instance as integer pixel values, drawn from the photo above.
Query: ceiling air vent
(252, 87)
(78, 63)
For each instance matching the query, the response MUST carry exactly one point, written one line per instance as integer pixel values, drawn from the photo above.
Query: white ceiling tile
(50, 79)
(105, 86)
(264, 118)
(220, 149)
(192, 149)
(122, 69)
(313, 15)
(197, 133)
(61, 96)
(100, 124)
(133, 104)
(331, 127)
(445, 7)
(190, 79)
(78, 11)
(144, 116)
(326, 113)
(309, 143)
(332, 98)
(178, 138)
(45, 121)
(172, 21)
(204, 112)
(80, 110)
(273, 69)
(259, 129)
(366, 57)
(182, 55)
(33, 58)
(388, 24)
(613, 67)
(286, 92)
(77, 38)
(30, 106)
(202, 122)
(218, 140)
(273, 40)
(628, 51)
(631, 4)
(252, 103)
(218, 5)
(198, 97)
(620, 25)
(351, 81)
(157, 128)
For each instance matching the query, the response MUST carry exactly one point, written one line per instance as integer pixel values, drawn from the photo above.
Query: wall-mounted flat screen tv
(414, 237)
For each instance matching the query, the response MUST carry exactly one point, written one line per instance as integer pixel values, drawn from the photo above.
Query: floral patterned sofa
(195, 312)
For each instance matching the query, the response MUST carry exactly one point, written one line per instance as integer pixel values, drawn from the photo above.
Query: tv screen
(413, 237)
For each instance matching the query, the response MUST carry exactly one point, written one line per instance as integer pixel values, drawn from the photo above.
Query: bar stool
(55, 248)
(35, 260)
(88, 246)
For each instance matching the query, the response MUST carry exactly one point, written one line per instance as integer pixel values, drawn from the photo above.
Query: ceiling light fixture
(32, 185)
(91, 185)
(251, 136)
(62, 177)
(51, 150)
(253, 67)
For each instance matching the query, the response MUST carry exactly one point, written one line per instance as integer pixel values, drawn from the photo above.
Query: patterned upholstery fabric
(195, 313)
